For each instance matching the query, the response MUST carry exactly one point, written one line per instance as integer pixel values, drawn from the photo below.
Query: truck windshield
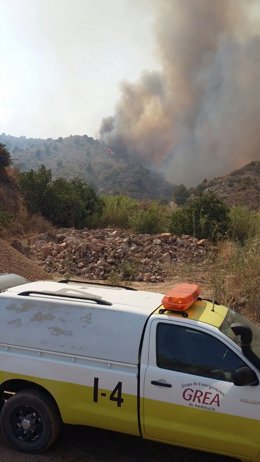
(232, 317)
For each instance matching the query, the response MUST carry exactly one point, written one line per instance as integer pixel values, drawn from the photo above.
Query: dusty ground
(81, 444)
(12, 261)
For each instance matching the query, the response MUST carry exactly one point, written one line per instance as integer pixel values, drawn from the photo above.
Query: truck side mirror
(244, 332)
(245, 376)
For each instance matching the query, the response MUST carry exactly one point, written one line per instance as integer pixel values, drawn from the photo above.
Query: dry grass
(36, 224)
(235, 276)
(24, 224)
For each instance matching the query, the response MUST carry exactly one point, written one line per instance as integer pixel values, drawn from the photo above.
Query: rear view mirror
(245, 376)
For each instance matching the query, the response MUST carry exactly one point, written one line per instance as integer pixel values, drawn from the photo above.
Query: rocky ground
(114, 255)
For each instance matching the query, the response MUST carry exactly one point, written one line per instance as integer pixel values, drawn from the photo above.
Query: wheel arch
(13, 386)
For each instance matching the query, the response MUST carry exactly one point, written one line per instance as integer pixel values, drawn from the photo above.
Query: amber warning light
(181, 297)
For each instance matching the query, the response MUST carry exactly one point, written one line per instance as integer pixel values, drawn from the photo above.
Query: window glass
(194, 352)
(234, 317)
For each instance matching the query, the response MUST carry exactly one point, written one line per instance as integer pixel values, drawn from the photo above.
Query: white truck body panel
(76, 326)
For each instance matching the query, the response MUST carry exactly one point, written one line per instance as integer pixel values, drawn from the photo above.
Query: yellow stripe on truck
(203, 311)
(77, 406)
(187, 432)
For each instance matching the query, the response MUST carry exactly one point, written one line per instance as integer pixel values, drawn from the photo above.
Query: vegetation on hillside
(88, 159)
(74, 203)
(204, 216)
(240, 187)
(142, 217)
(65, 203)
(110, 172)
(5, 218)
(235, 276)
(244, 224)
(11, 203)
(181, 194)
(5, 157)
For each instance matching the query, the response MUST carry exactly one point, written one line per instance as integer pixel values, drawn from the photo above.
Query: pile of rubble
(114, 254)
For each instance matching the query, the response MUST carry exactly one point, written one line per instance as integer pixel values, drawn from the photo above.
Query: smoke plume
(199, 116)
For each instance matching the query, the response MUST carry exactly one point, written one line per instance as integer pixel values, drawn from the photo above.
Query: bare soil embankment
(12, 261)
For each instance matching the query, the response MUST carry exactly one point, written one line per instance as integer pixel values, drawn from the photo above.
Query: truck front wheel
(30, 421)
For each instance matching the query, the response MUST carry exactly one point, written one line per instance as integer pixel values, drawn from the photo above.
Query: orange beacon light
(181, 297)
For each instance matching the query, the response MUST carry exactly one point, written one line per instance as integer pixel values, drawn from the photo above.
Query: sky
(174, 83)
(63, 61)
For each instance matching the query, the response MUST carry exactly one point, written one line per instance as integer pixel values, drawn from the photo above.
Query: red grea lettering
(201, 397)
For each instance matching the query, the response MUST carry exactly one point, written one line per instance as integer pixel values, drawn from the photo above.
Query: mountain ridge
(113, 173)
(240, 187)
(86, 158)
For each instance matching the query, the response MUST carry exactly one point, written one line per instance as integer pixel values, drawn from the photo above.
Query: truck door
(188, 396)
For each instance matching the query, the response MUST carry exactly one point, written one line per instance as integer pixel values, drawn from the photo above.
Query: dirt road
(81, 444)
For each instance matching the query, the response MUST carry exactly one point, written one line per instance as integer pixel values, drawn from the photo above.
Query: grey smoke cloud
(199, 116)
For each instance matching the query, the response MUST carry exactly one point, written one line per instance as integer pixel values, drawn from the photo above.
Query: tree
(64, 202)
(72, 203)
(204, 216)
(5, 158)
(34, 185)
(181, 194)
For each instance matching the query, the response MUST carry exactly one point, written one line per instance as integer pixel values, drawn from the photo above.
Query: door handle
(161, 384)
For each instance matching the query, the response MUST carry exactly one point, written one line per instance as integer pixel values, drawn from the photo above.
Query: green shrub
(181, 194)
(64, 202)
(5, 158)
(244, 224)
(181, 222)
(204, 216)
(71, 203)
(128, 269)
(150, 218)
(117, 210)
(34, 186)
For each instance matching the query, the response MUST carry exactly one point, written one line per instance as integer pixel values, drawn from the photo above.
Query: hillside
(12, 261)
(11, 200)
(90, 160)
(112, 173)
(240, 187)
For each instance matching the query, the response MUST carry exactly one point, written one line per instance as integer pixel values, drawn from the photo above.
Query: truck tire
(30, 421)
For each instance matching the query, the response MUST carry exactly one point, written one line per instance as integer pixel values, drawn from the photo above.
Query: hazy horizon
(175, 83)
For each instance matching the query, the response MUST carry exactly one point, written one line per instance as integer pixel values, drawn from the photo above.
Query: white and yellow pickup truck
(172, 368)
